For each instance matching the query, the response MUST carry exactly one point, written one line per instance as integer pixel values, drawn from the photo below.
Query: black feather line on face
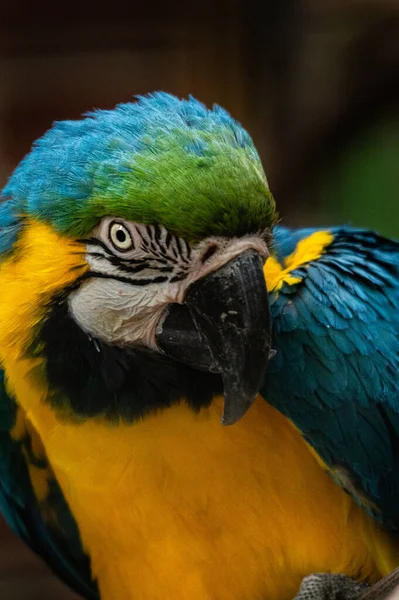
(96, 242)
(117, 261)
(132, 281)
(90, 378)
(138, 268)
(188, 249)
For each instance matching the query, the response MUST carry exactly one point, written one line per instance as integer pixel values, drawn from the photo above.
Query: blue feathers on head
(67, 169)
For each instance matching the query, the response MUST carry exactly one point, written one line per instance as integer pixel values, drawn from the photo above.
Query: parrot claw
(327, 586)
(387, 588)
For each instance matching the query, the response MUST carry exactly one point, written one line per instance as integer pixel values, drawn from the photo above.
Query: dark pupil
(121, 236)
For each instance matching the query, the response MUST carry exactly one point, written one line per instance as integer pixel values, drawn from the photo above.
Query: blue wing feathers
(336, 371)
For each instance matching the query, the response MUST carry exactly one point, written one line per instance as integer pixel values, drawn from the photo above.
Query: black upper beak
(224, 327)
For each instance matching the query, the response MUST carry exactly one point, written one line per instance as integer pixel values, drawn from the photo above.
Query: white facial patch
(136, 271)
(117, 312)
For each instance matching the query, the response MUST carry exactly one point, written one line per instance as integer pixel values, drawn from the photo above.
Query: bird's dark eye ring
(120, 237)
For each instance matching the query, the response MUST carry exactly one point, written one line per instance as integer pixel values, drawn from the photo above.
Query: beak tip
(233, 412)
(225, 421)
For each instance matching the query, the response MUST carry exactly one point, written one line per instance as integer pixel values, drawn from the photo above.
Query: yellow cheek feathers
(42, 264)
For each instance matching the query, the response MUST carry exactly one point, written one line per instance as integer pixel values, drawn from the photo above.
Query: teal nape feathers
(146, 295)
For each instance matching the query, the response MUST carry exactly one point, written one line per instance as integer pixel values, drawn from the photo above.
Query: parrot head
(164, 213)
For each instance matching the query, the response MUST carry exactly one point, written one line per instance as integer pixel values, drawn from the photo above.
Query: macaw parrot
(195, 402)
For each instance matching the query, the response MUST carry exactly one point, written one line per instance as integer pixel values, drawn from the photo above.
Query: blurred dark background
(316, 82)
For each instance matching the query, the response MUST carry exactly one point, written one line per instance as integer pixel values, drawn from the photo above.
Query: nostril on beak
(209, 253)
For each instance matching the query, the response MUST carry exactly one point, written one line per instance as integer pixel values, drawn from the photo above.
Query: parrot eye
(120, 237)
